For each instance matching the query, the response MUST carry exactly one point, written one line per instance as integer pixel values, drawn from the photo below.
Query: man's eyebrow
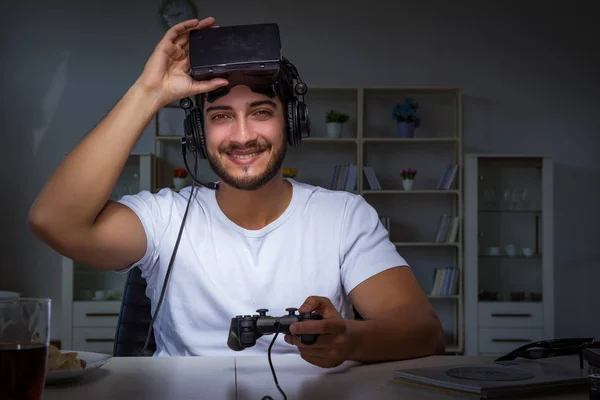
(253, 104)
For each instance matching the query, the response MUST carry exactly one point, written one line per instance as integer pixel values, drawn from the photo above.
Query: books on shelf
(445, 281)
(447, 230)
(371, 178)
(344, 177)
(448, 177)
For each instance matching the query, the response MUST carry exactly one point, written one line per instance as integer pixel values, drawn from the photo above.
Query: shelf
(400, 191)
(411, 140)
(369, 138)
(449, 297)
(426, 244)
(533, 257)
(516, 211)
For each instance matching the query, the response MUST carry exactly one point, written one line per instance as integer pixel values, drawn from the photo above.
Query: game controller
(246, 329)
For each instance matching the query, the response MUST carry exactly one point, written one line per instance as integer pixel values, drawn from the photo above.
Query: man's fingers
(319, 326)
(318, 303)
(207, 86)
(323, 341)
(186, 26)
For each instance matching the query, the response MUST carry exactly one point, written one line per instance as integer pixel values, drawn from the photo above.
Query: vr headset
(247, 55)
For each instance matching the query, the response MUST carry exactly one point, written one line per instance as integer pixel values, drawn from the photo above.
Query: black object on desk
(592, 356)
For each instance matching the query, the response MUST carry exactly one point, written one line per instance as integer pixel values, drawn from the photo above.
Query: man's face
(245, 140)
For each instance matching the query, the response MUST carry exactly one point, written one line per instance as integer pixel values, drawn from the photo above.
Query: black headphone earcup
(303, 120)
(198, 133)
(292, 122)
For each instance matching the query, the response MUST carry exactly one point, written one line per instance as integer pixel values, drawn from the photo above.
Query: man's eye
(218, 116)
(264, 113)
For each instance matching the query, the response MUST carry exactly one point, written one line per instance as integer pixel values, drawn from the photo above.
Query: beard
(249, 182)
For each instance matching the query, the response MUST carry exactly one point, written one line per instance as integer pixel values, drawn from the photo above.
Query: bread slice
(59, 361)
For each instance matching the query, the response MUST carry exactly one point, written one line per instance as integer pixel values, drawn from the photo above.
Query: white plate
(93, 362)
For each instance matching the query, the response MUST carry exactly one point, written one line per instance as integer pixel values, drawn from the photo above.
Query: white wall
(529, 75)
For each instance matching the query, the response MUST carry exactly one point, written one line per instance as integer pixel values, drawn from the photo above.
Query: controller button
(262, 311)
(291, 310)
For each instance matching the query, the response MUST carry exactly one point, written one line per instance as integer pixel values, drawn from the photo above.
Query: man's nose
(242, 132)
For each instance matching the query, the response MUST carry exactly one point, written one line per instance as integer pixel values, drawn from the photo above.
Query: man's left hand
(336, 342)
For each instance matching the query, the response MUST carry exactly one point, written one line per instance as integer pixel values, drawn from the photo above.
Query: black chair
(134, 319)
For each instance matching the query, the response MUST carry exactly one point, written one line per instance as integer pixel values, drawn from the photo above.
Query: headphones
(297, 120)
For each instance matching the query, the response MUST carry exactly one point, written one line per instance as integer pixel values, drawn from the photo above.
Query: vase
(407, 184)
(334, 129)
(406, 129)
(179, 183)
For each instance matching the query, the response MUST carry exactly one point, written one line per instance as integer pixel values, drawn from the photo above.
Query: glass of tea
(24, 341)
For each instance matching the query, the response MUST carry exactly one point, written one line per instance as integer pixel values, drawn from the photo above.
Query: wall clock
(173, 12)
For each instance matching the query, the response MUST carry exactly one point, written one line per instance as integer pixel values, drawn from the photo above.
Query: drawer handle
(511, 315)
(99, 340)
(101, 314)
(512, 340)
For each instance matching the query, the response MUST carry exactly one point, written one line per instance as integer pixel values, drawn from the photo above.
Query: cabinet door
(510, 229)
(508, 244)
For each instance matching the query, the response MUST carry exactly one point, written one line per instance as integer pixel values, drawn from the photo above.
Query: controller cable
(271, 365)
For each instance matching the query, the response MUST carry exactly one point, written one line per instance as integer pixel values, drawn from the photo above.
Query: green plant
(334, 116)
(407, 112)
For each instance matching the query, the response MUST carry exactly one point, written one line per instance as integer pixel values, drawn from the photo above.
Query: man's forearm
(400, 334)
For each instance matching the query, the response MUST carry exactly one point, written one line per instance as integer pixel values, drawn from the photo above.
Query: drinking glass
(24, 341)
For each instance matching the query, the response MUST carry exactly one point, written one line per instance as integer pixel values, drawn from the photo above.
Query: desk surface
(250, 377)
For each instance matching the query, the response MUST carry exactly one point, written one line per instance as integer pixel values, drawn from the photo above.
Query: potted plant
(289, 173)
(408, 178)
(335, 123)
(179, 178)
(407, 117)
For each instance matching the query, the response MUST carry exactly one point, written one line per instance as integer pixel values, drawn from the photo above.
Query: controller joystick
(245, 330)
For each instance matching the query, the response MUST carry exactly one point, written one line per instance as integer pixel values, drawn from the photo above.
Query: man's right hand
(166, 72)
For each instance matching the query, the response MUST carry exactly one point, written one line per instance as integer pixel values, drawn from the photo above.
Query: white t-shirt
(324, 244)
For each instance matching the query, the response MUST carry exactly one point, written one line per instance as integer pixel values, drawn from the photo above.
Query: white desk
(250, 378)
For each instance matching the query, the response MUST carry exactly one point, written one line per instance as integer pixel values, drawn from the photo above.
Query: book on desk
(497, 379)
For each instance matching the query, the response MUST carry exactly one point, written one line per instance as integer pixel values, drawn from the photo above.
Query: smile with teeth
(244, 156)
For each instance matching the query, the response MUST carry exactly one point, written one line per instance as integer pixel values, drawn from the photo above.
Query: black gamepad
(246, 329)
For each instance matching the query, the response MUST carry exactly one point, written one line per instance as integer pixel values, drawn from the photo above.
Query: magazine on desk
(498, 379)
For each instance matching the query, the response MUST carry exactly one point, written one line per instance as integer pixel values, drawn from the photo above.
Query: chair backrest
(134, 319)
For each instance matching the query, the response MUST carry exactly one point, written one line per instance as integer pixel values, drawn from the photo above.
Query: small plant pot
(407, 184)
(406, 130)
(179, 183)
(334, 129)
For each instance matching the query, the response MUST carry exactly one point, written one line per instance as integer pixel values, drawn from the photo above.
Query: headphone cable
(170, 267)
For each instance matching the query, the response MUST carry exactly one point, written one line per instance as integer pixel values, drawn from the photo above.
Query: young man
(259, 241)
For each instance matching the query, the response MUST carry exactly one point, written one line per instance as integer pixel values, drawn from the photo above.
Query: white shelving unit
(369, 139)
(89, 321)
(509, 263)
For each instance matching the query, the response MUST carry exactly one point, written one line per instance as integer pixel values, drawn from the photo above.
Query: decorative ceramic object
(179, 178)
(408, 178)
(335, 123)
(406, 116)
(406, 130)
(334, 129)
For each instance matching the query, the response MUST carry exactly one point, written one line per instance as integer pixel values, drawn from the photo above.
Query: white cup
(511, 250)
(527, 251)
